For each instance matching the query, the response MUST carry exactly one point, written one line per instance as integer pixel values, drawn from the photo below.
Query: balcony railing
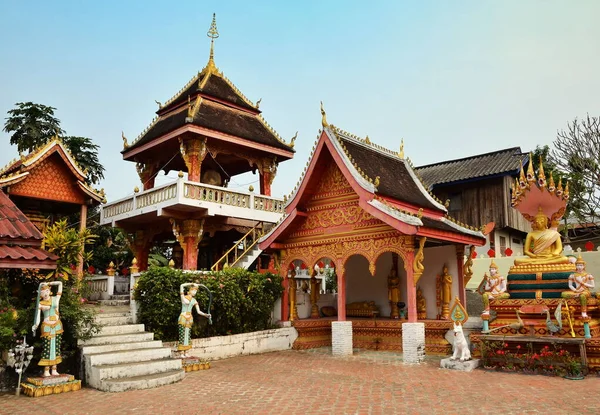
(184, 192)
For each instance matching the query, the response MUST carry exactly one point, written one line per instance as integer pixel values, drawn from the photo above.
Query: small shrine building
(361, 212)
(48, 184)
(212, 132)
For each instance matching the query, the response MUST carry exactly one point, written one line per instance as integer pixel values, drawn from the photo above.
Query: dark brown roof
(219, 118)
(14, 224)
(394, 177)
(499, 162)
(215, 86)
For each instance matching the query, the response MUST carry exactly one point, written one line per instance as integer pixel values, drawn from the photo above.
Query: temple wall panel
(50, 180)
(435, 258)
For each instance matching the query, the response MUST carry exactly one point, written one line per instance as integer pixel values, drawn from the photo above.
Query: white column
(413, 342)
(341, 338)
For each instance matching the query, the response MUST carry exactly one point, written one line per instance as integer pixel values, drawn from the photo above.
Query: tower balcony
(184, 198)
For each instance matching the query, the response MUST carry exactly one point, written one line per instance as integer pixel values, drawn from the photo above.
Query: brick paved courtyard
(314, 382)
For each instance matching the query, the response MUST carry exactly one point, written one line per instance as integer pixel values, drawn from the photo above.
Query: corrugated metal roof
(14, 224)
(478, 166)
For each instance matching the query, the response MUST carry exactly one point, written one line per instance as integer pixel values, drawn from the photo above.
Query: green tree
(33, 125)
(576, 153)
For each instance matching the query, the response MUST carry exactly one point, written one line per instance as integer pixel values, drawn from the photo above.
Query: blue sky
(452, 78)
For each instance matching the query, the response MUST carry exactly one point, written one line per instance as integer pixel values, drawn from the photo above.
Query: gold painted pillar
(193, 150)
(82, 226)
(189, 234)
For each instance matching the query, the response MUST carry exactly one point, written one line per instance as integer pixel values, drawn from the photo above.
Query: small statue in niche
(421, 305)
(445, 292)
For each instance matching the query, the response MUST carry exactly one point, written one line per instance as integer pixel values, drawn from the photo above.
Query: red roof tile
(28, 252)
(14, 224)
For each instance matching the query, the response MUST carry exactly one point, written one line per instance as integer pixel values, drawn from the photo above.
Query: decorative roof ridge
(40, 151)
(195, 78)
(94, 193)
(139, 137)
(463, 227)
(12, 178)
(400, 214)
(366, 142)
(506, 150)
(275, 133)
(240, 93)
(273, 228)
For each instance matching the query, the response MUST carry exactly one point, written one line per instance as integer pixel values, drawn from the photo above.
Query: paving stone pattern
(315, 382)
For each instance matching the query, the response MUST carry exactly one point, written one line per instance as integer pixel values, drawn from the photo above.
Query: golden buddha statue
(543, 245)
(394, 293)
(446, 292)
(421, 305)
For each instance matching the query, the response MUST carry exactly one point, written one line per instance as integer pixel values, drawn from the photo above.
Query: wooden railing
(240, 248)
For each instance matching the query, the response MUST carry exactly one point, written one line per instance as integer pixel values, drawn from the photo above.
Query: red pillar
(285, 298)
(265, 183)
(141, 244)
(189, 234)
(341, 299)
(193, 151)
(411, 290)
(460, 253)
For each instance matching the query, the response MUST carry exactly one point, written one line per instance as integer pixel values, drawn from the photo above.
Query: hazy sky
(453, 78)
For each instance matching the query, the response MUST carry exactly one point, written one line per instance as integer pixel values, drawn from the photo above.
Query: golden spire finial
(212, 33)
(323, 116)
(367, 139)
(530, 172)
(541, 174)
(401, 152)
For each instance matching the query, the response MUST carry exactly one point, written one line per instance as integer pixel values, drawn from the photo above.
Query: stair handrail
(256, 234)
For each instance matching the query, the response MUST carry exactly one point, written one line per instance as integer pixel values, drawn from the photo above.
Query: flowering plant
(554, 361)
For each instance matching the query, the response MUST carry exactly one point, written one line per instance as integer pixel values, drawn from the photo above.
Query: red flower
(518, 346)
(505, 344)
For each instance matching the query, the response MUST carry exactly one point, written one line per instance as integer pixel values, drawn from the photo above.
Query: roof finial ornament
(159, 104)
(367, 140)
(293, 140)
(323, 116)
(212, 33)
(125, 144)
(401, 152)
(257, 105)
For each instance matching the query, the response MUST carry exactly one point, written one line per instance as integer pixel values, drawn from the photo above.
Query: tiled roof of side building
(482, 165)
(14, 224)
(395, 179)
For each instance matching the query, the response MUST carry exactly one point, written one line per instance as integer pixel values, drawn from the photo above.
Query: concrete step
(114, 321)
(109, 303)
(123, 329)
(127, 356)
(102, 348)
(117, 338)
(97, 374)
(142, 382)
(110, 314)
(119, 297)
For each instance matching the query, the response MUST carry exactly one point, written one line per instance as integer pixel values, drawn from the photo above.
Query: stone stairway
(115, 300)
(123, 356)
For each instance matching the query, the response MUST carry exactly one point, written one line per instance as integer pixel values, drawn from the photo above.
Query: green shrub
(242, 301)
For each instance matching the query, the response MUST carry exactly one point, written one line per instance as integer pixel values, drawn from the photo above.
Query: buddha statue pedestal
(50, 385)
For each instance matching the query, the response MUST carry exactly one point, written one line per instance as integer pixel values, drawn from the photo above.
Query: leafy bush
(242, 301)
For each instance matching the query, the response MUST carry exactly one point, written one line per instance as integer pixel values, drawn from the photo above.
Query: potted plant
(574, 369)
